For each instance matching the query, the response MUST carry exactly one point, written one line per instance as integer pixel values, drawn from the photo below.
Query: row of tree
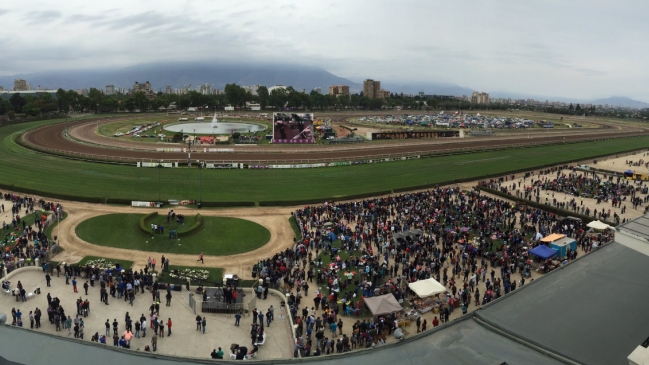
(278, 98)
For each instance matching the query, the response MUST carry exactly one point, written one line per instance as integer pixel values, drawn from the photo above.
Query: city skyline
(580, 49)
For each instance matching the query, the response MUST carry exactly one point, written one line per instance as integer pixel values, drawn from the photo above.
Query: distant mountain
(429, 88)
(178, 75)
(622, 101)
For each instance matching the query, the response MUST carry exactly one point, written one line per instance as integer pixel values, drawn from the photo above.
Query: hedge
(228, 204)
(118, 201)
(194, 228)
(550, 208)
(142, 226)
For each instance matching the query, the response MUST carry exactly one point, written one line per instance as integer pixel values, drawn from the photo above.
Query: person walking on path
(168, 298)
(200, 258)
(74, 284)
(237, 319)
(203, 324)
(48, 279)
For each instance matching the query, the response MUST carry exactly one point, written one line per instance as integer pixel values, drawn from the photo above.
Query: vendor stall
(426, 290)
(563, 245)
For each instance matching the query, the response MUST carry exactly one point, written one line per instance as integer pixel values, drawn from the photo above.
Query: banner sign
(292, 128)
(227, 150)
(142, 204)
(168, 149)
(181, 202)
(222, 165)
(155, 164)
(415, 135)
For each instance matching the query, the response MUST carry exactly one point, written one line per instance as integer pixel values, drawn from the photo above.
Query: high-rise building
(205, 89)
(479, 98)
(168, 90)
(383, 94)
(145, 88)
(337, 90)
(318, 90)
(21, 85)
(110, 89)
(371, 88)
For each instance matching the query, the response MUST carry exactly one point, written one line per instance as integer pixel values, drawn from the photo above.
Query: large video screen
(293, 128)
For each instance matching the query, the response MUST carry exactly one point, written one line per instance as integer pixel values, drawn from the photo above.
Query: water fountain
(214, 121)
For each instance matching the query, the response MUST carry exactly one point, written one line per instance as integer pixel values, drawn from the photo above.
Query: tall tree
(17, 102)
(262, 93)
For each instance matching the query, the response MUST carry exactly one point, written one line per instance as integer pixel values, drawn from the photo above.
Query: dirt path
(274, 219)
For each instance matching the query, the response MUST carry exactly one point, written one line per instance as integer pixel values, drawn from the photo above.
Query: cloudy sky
(583, 49)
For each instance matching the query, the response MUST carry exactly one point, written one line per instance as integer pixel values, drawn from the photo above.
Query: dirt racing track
(78, 139)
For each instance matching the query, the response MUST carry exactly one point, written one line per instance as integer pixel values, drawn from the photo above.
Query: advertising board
(292, 128)
(415, 135)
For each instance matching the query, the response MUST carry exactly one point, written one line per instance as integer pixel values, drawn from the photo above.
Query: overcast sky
(583, 49)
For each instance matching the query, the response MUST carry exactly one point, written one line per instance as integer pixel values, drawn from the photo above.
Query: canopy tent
(544, 252)
(598, 225)
(331, 236)
(383, 304)
(553, 237)
(416, 232)
(427, 288)
(628, 172)
(399, 236)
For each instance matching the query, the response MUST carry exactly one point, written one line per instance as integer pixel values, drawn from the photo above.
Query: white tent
(427, 288)
(383, 304)
(598, 225)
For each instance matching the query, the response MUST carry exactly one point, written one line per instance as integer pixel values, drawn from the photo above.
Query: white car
(118, 134)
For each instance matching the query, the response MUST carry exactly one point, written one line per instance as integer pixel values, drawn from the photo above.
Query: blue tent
(332, 236)
(544, 252)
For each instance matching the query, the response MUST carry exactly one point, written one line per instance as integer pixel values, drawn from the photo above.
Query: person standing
(85, 287)
(31, 320)
(237, 318)
(203, 324)
(48, 279)
(74, 284)
(168, 298)
(154, 341)
(198, 323)
(107, 327)
(169, 327)
(115, 324)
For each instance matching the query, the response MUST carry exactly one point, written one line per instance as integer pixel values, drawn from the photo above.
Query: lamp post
(200, 173)
(159, 185)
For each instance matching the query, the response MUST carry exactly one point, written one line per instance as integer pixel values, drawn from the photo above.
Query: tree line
(278, 99)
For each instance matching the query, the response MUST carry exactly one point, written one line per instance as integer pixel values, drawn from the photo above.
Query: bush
(228, 204)
(562, 212)
(142, 226)
(194, 228)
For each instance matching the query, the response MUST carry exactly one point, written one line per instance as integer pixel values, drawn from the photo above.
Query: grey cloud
(4, 11)
(42, 17)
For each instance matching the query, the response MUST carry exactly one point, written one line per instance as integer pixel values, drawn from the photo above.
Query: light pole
(200, 172)
(159, 186)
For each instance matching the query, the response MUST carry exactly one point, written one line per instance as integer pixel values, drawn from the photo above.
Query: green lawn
(24, 169)
(219, 236)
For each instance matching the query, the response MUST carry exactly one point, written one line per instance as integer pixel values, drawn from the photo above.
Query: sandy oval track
(53, 138)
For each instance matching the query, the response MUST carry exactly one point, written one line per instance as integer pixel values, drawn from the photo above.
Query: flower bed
(194, 274)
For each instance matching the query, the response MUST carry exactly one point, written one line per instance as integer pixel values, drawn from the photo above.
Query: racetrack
(78, 138)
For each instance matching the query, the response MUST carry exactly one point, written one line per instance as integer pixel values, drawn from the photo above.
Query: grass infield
(219, 235)
(23, 169)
